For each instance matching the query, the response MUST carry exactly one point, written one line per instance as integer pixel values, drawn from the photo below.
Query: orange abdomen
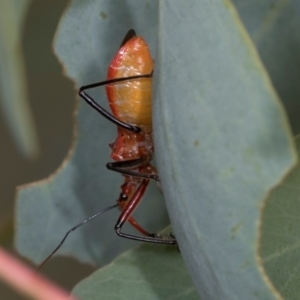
(130, 101)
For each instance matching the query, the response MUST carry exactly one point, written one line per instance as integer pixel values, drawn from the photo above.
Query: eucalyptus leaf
(280, 234)
(87, 39)
(14, 95)
(274, 27)
(146, 272)
(223, 142)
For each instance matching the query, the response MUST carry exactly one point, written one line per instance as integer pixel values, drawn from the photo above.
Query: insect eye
(123, 197)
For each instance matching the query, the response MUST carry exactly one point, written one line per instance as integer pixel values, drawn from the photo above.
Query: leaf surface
(280, 235)
(87, 39)
(14, 95)
(147, 272)
(222, 143)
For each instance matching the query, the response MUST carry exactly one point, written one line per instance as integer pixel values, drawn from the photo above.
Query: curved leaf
(222, 143)
(274, 27)
(87, 39)
(148, 272)
(280, 233)
(221, 137)
(14, 98)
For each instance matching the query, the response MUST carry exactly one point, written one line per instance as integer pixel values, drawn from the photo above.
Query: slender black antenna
(74, 228)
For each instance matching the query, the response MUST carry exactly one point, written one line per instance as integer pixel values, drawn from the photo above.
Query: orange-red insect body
(131, 102)
(128, 88)
(129, 93)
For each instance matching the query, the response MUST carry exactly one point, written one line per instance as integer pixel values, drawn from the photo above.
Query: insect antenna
(72, 229)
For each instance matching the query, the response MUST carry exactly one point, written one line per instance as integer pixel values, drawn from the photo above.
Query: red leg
(128, 189)
(125, 167)
(137, 226)
(126, 215)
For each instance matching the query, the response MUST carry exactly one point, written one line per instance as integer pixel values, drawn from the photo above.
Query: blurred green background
(50, 94)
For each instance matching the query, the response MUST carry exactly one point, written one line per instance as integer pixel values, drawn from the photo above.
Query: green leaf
(222, 143)
(14, 96)
(280, 233)
(86, 41)
(147, 272)
(274, 27)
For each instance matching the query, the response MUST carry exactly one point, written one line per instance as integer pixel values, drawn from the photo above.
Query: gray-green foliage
(145, 272)
(230, 147)
(222, 143)
(83, 186)
(13, 83)
(280, 235)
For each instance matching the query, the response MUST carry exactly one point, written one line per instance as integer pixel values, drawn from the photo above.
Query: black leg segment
(104, 112)
(124, 167)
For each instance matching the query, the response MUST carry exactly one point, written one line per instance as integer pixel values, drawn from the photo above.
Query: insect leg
(128, 189)
(127, 212)
(100, 109)
(138, 227)
(124, 167)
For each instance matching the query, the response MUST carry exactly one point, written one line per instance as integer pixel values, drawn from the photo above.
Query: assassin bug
(128, 89)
